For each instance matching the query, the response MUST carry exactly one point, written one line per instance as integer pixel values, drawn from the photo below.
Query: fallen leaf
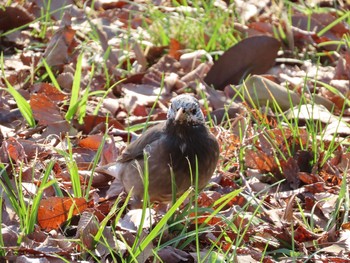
(242, 60)
(301, 234)
(10, 235)
(173, 255)
(87, 228)
(174, 49)
(260, 91)
(288, 212)
(54, 211)
(14, 16)
(50, 91)
(14, 149)
(308, 178)
(56, 52)
(318, 187)
(132, 220)
(91, 122)
(91, 142)
(45, 111)
(290, 170)
(260, 160)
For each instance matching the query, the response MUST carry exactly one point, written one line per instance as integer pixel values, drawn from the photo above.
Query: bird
(172, 148)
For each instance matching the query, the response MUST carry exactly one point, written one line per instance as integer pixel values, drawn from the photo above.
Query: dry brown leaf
(173, 255)
(92, 141)
(45, 111)
(326, 18)
(50, 91)
(326, 202)
(308, 178)
(288, 215)
(217, 98)
(14, 149)
(54, 210)
(318, 187)
(314, 25)
(87, 228)
(190, 61)
(93, 123)
(260, 28)
(174, 49)
(243, 59)
(260, 160)
(262, 91)
(207, 198)
(14, 16)
(56, 7)
(301, 234)
(10, 235)
(57, 50)
(161, 69)
(132, 220)
(290, 170)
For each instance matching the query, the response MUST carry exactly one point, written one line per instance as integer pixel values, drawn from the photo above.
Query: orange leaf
(318, 187)
(15, 149)
(54, 210)
(45, 111)
(301, 234)
(260, 160)
(346, 226)
(174, 49)
(91, 142)
(92, 121)
(50, 91)
(308, 178)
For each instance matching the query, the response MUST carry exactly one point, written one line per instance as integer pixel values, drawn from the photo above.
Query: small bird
(172, 148)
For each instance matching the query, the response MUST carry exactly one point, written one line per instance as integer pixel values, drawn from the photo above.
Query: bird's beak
(179, 115)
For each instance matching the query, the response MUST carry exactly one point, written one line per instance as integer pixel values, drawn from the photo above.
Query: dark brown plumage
(171, 145)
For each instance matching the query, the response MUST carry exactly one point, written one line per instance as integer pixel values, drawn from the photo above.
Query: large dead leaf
(314, 113)
(45, 111)
(14, 149)
(92, 141)
(261, 91)
(87, 228)
(290, 170)
(132, 220)
(49, 90)
(173, 255)
(93, 123)
(302, 234)
(14, 16)
(260, 160)
(54, 210)
(243, 59)
(57, 8)
(314, 25)
(57, 51)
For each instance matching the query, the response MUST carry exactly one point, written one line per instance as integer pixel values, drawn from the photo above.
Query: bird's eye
(194, 111)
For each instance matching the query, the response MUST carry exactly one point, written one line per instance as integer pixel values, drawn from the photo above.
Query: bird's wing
(136, 148)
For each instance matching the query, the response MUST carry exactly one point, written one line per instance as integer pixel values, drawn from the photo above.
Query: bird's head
(185, 109)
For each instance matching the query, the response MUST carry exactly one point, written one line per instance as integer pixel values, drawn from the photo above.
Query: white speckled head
(185, 109)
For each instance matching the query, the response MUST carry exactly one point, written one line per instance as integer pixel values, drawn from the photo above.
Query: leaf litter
(280, 195)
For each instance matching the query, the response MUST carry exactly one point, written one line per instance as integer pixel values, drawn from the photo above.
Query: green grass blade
(51, 75)
(161, 223)
(22, 104)
(327, 28)
(74, 100)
